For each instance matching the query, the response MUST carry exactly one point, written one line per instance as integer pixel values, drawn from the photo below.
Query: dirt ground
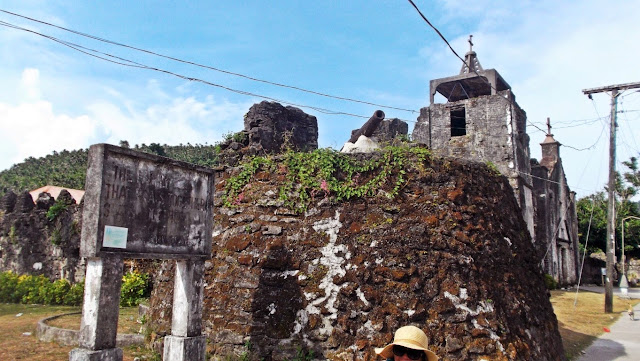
(18, 335)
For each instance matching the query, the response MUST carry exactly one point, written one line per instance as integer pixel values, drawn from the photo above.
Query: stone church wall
(32, 243)
(449, 254)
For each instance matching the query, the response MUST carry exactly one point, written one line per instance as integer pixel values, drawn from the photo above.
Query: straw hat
(411, 337)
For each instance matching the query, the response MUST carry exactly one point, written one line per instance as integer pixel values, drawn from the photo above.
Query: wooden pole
(611, 216)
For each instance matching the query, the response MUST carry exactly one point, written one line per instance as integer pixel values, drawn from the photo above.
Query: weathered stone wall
(270, 125)
(556, 223)
(495, 131)
(31, 243)
(450, 254)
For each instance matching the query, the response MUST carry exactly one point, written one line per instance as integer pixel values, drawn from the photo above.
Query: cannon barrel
(369, 127)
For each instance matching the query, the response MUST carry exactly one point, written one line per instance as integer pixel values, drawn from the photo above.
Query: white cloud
(30, 82)
(33, 127)
(549, 51)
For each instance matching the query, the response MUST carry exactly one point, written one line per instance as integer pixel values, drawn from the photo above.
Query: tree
(592, 213)
(157, 149)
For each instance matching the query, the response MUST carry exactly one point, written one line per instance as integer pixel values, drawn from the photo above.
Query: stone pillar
(100, 310)
(186, 342)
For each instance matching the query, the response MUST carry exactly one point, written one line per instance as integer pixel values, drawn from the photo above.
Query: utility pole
(611, 216)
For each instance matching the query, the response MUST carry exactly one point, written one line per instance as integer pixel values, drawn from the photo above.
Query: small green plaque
(115, 237)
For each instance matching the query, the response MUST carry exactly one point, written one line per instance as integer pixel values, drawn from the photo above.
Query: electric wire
(571, 123)
(630, 132)
(586, 242)
(130, 63)
(481, 77)
(463, 61)
(207, 66)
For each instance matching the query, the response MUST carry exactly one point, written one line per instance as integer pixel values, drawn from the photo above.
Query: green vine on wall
(326, 173)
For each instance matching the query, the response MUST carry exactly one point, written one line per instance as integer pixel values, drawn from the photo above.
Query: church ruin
(481, 121)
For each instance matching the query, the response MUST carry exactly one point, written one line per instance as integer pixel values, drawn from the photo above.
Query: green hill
(68, 168)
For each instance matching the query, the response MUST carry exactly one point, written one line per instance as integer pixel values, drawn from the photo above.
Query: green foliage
(65, 169)
(236, 184)
(158, 149)
(302, 355)
(8, 285)
(592, 213)
(38, 289)
(58, 207)
(32, 289)
(56, 238)
(239, 137)
(68, 168)
(55, 292)
(330, 174)
(550, 282)
(492, 167)
(12, 235)
(135, 287)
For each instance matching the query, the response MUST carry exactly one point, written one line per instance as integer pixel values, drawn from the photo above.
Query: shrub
(135, 286)
(57, 292)
(8, 285)
(31, 289)
(551, 283)
(39, 289)
(57, 208)
(75, 295)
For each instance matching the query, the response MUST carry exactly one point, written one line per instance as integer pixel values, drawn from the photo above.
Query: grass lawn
(581, 324)
(18, 333)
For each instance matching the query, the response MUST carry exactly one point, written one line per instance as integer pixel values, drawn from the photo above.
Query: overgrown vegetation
(325, 173)
(30, 289)
(592, 214)
(493, 167)
(135, 287)
(68, 168)
(302, 355)
(58, 207)
(551, 283)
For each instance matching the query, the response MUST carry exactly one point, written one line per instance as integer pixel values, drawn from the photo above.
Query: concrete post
(100, 310)
(186, 342)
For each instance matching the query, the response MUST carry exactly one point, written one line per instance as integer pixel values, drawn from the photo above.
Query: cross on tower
(548, 126)
(470, 43)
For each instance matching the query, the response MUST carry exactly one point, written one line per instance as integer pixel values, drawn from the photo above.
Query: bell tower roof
(472, 81)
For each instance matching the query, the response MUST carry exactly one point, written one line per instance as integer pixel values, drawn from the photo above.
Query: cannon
(369, 127)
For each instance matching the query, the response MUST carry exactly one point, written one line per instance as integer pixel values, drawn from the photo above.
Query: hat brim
(387, 351)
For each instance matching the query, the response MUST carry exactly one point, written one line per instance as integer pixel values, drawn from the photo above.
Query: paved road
(623, 342)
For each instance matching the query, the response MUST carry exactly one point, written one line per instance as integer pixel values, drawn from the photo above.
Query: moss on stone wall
(444, 251)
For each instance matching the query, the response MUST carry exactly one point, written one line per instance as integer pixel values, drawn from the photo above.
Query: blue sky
(55, 98)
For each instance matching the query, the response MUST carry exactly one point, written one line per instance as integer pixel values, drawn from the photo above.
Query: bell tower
(480, 121)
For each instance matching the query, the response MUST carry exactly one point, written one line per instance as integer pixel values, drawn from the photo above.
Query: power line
(573, 121)
(482, 78)
(207, 66)
(134, 64)
(130, 63)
